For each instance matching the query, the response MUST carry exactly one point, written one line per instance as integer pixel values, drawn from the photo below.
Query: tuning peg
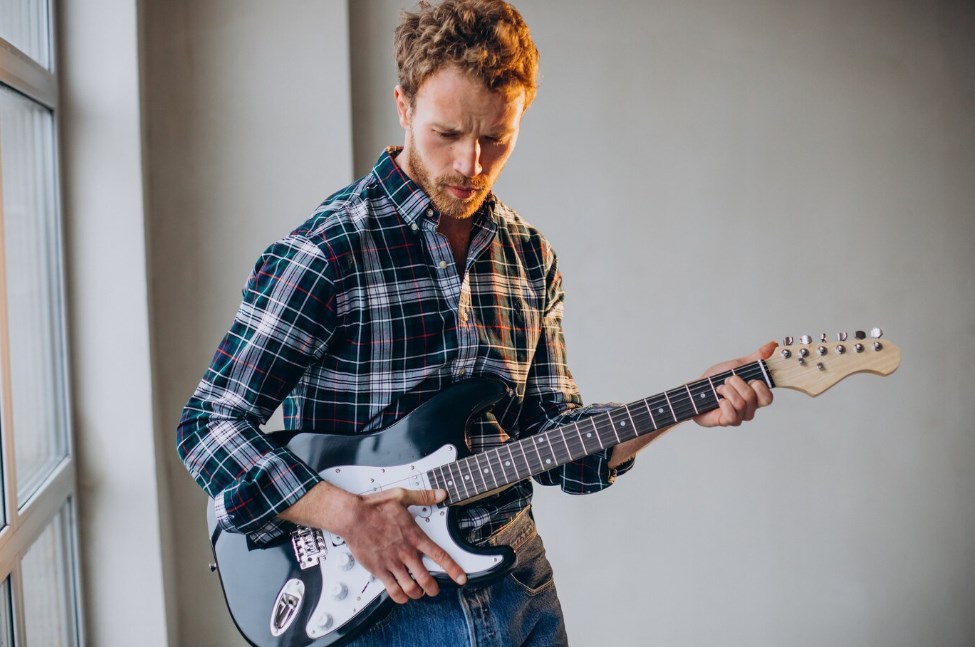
(805, 339)
(860, 334)
(876, 333)
(788, 341)
(823, 337)
(841, 336)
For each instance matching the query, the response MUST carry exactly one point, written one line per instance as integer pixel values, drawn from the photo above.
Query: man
(413, 278)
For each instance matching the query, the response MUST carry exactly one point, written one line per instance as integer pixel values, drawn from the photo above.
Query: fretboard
(514, 461)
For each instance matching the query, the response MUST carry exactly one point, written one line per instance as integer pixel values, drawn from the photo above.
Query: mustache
(473, 183)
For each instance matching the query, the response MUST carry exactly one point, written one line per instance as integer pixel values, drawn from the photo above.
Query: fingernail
(441, 495)
(462, 580)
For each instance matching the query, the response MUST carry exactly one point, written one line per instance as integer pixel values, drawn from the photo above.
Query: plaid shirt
(359, 316)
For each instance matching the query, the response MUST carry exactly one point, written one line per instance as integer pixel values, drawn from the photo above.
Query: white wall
(248, 128)
(717, 174)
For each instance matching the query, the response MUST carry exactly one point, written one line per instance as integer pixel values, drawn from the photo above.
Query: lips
(462, 192)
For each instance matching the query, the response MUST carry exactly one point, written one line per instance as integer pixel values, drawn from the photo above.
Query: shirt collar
(412, 202)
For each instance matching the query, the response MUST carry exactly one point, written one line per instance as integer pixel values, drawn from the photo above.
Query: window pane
(6, 622)
(49, 599)
(25, 25)
(31, 250)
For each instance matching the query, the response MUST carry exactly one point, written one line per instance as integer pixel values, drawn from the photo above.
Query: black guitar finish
(253, 575)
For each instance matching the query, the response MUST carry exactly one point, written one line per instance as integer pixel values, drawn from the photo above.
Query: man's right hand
(382, 535)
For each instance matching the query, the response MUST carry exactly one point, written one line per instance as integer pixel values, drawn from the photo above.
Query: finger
(407, 583)
(393, 588)
(444, 560)
(422, 577)
(731, 394)
(762, 391)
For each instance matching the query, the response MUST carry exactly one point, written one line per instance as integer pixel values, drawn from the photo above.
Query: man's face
(459, 136)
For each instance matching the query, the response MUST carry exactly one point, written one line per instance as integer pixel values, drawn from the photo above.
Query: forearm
(324, 506)
(627, 450)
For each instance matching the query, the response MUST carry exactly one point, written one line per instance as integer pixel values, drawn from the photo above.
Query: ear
(403, 107)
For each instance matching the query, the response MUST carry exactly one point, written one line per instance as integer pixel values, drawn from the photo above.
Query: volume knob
(344, 560)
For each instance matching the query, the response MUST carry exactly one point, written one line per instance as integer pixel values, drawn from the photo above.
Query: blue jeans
(520, 609)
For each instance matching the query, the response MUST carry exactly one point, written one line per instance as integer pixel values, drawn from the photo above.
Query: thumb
(424, 497)
(764, 352)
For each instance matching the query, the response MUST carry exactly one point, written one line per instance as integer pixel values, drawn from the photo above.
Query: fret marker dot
(623, 424)
(588, 435)
(467, 477)
(548, 460)
(701, 396)
(485, 470)
(450, 482)
(660, 410)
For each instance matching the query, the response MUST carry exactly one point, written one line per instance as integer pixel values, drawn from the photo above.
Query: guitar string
(679, 400)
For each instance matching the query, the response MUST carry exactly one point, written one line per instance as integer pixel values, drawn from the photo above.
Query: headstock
(813, 366)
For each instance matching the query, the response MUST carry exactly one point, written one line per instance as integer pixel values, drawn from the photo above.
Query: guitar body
(306, 589)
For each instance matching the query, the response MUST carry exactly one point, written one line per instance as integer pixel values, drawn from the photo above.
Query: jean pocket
(533, 572)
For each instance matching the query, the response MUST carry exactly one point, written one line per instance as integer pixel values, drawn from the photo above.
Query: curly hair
(488, 39)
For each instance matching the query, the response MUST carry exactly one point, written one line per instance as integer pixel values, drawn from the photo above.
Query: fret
(527, 461)
(593, 435)
(635, 428)
(511, 471)
(670, 406)
(649, 407)
(565, 443)
(458, 477)
(714, 390)
(704, 396)
(621, 424)
(661, 407)
(474, 471)
(693, 404)
(488, 470)
(680, 401)
(464, 477)
(551, 460)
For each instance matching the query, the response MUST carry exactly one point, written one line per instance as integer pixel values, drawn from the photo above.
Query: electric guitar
(307, 590)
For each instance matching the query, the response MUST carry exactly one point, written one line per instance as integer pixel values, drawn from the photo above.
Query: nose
(467, 161)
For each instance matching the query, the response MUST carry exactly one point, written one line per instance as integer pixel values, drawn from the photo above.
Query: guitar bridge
(310, 547)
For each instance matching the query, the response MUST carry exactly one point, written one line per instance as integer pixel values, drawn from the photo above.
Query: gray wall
(713, 175)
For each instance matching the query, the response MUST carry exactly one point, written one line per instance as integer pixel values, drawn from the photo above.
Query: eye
(442, 134)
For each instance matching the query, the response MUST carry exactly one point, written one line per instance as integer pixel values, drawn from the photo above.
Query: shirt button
(462, 372)
(414, 227)
(430, 213)
(443, 265)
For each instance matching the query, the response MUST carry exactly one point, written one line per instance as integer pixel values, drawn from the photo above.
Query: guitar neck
(478, 474)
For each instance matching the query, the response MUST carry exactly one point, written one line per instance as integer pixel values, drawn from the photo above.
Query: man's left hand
(739, 400)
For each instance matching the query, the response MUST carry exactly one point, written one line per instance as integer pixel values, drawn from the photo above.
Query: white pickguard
(348, 587)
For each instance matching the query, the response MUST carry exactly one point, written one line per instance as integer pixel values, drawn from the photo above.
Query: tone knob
(323, 621)
(338, 590)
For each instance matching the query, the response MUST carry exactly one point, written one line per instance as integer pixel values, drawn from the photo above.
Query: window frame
(57, 494)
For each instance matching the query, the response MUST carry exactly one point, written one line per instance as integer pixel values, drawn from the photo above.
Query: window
(38, 564)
